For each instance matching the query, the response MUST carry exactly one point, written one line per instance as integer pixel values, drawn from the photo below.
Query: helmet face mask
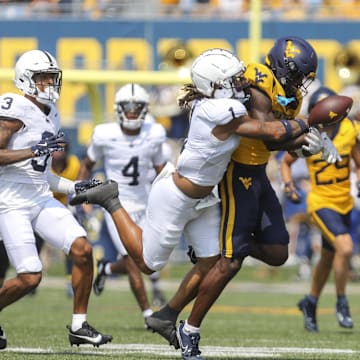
(131, 106)
(38, 75)
(294, 63)
(217, 73)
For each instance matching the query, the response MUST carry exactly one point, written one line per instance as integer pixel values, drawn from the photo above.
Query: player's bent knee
(30, 281)
(81, 250)
(278, 259)
(205, 264)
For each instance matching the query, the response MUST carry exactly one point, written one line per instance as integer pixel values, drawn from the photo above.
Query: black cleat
(343, 314)
(105, 194)
(309, 311)
(3, 341)
(189, 344)
(87, 335)
(164, 328)
(99, 282)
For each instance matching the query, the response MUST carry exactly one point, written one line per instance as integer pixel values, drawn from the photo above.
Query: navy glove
(292, 193)
(86, 184)
(48, 144)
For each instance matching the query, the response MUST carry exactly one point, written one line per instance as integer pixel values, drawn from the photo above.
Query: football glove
(315, 143)
(81, 186)
(49, 144)
(329, 153)
(358, 188)
(292, 193)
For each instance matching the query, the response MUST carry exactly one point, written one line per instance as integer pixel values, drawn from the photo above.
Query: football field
(253, 319)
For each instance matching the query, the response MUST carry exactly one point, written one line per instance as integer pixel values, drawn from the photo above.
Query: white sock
(190, 329)
(146, 313)
(108, 269)
(77, 321)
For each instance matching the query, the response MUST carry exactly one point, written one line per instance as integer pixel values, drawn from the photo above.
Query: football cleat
(189, 344)
(3, 340)
(343, 314)
(87, 335)
(99, 282)
(309, 311)
(105, 194)
(164, 328)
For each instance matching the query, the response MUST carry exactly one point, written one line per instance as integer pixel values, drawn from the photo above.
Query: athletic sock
(108, 269)
(188, 329)
(77, 321)
(146, 313)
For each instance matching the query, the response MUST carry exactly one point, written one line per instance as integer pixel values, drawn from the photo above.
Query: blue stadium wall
(51, 34)
(137, 45)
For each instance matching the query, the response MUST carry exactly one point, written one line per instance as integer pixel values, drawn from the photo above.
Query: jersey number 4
(131, 169)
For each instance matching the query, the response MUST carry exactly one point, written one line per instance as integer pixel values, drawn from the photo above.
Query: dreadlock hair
(187, 94)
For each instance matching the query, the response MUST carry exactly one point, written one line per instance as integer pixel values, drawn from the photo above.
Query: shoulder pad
(157, 132)
(102, 132)
(13, 106)
(261, 76)
(222, 111)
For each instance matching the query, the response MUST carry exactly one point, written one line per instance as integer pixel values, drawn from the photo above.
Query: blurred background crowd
(95, 9)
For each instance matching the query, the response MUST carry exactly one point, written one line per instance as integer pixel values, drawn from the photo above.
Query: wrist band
(303, 126)
(288, 129)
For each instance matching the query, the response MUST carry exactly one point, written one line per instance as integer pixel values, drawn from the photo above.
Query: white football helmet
(131, 106)
(215, 73)
(35, 62)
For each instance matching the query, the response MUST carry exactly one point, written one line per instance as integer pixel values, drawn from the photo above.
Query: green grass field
(255, 318)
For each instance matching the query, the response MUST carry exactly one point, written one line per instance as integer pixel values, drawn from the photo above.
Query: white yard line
(165, 350)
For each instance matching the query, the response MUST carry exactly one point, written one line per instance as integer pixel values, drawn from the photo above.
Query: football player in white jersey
(182, 199)
(127, 148)
(29, 134)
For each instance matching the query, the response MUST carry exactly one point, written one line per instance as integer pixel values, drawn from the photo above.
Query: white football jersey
(127, 159)
(36, 125)
(20, 182)
(205, 158)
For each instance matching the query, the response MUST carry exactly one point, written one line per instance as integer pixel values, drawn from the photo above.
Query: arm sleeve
(60, 184)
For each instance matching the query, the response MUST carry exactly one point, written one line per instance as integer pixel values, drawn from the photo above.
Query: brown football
(330, 110)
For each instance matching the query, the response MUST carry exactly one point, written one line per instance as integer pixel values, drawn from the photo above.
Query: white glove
(314, 140)
(330, 153)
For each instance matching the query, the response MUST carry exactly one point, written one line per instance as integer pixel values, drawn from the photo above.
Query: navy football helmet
(294, 62)
(321, 93)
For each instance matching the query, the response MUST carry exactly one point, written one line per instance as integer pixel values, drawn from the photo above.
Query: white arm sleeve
(60, 184)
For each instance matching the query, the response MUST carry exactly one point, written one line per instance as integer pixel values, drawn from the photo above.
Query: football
(330, 110)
